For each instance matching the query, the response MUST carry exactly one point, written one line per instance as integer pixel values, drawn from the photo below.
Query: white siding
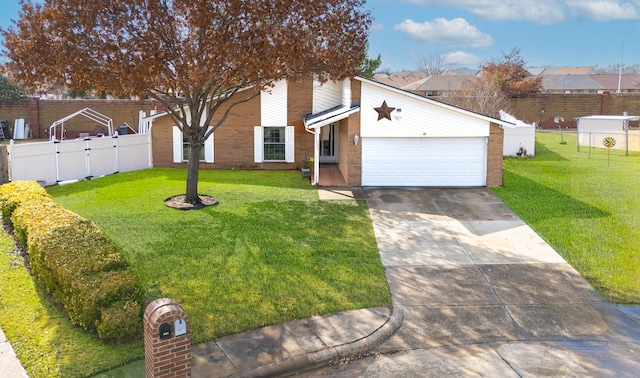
(326, 96)
(273, 105)
(418, 117)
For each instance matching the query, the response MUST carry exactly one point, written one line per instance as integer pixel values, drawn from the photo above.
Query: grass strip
(586, 205)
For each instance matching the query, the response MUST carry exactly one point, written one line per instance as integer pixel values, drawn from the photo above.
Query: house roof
(610, 81)
(565, 70)
(439, 83)
(399, 79)
(328, 116)
(569, 82)
(434, 102)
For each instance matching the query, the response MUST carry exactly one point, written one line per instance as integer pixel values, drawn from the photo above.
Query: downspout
(316, 152)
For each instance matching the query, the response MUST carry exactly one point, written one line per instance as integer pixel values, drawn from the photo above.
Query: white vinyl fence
(57, 161)
(627, 140)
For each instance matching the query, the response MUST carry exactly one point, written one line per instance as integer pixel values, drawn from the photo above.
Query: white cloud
(603, 10)
(456, 32)
(376, 27)
(461, 58)
(538, 11)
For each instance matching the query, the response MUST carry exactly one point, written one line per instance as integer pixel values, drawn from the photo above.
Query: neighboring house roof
(399, 79)
(434, 102)
(439, 83)
(566, 70)
(610, 81)
(569, 82)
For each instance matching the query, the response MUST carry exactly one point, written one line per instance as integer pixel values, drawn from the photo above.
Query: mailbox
(180, 327)
(164, 331)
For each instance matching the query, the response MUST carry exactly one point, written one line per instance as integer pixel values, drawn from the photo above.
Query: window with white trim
(274, 144)
(181, 147)
(186, 147)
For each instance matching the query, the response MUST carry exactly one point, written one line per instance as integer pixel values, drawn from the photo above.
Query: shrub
(76, 262)
(17, 192)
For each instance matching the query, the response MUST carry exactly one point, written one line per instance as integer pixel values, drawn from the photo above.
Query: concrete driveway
(484, 295)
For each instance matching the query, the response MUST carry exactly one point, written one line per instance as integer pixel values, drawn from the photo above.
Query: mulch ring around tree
(177, 202)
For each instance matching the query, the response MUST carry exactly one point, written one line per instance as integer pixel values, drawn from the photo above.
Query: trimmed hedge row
(75, 262)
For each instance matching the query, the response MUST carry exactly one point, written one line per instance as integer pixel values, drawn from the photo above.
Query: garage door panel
(424, 161)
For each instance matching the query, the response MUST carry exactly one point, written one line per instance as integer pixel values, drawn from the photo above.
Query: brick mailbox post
(167, 340)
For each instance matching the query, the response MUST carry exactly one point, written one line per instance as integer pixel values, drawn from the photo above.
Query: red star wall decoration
(384, 111)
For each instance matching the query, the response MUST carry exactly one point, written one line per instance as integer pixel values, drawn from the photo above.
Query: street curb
(313, 359)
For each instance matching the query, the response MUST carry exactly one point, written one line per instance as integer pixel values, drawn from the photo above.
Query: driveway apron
(467, 271)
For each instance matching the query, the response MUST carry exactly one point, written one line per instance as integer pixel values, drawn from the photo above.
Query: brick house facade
(338, 124)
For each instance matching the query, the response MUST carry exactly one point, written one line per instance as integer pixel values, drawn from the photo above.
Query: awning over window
(329, 116)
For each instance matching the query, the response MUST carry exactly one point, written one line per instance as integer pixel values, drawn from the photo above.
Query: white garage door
(424, 161)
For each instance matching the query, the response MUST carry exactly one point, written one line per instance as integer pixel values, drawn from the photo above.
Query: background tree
(511, 76)
(9, 91)
(432, 64)
(480, 95)
(192, 56)
(369, 66)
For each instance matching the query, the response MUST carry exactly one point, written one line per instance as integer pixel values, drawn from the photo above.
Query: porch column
(316, 156)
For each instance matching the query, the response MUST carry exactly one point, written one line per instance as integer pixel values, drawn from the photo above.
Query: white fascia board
(332, 117)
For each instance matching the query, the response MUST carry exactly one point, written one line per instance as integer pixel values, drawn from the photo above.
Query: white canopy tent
(86, 112)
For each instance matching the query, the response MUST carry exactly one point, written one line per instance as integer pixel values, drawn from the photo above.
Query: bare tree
(478, 94)
(193, 56)
(432, 64)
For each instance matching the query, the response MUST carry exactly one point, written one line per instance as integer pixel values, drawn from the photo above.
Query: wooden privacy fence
(57, 161)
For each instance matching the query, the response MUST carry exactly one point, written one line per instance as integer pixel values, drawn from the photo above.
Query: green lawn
(586, 205)
(269, 252)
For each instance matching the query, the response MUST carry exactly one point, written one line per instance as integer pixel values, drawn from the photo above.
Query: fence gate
(56, 161)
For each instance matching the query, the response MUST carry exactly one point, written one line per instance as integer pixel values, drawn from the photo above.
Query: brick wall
(10, 110)
(40, 114)
(120, 111)
(572, 106)
(233, 141)
(351, 155)
(495, 163)
(300, 103)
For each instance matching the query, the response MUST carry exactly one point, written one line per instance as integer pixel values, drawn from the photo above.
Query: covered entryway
(329, 143)
(445, 162)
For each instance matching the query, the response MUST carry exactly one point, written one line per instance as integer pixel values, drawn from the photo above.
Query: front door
(329, 143)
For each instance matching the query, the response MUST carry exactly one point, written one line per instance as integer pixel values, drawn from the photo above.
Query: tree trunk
(191, 195)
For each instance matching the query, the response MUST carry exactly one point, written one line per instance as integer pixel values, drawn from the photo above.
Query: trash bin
(124, 130)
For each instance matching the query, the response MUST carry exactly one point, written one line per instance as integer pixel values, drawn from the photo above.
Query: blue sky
(470, 32)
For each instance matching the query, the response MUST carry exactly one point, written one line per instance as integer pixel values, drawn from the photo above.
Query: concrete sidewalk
(9, 364)
(288, 347)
